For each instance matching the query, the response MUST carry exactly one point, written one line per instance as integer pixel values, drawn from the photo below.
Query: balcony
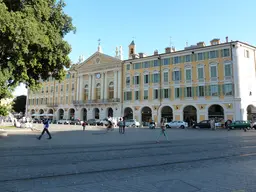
(96, 102)
(52, 105)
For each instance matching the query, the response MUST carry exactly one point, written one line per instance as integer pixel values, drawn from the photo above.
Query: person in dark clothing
(123, 130)
(46, 126)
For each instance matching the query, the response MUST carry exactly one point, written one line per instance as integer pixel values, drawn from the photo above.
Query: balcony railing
(52, 105)
(100, 101)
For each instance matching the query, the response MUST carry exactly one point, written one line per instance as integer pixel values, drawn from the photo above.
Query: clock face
(98, 75)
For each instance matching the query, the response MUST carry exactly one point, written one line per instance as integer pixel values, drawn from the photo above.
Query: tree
(32, 46)
(19, 104)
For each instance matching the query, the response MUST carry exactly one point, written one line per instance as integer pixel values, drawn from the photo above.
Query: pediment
(99, 61)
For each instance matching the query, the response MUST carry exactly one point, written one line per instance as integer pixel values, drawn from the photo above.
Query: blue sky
(152, 23)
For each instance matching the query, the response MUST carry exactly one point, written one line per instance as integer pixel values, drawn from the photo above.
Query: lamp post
(26, 112)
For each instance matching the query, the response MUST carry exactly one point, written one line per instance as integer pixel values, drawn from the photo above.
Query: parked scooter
(152, 125)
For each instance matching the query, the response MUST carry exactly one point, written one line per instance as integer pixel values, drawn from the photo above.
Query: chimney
(168, 50)
(141, 55)
(156, 52)
(201, 44)
(227, 39)
(215, 41)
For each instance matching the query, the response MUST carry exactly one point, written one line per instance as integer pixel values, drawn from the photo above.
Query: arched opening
(189, 114)
(98, 91)
(251, 113)
(32, 113)
(71, 114)
(146, 114)
(167, 113)
(41, 112)
(86, 92)
(111, 90)
(96, 113)
(110, 112)
(216, 112)
(84, 114)
(50, 111)
(128, 113)
(60, 114)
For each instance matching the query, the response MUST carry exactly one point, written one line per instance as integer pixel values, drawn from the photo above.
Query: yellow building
(197, 83)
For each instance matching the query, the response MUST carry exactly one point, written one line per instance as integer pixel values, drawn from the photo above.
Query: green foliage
(31, 42)
(19, 104)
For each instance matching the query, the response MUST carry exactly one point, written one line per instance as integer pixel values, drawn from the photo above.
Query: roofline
(192, 49)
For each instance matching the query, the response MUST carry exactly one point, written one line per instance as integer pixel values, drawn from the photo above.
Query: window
(225, 53)
(156, 63)
(128, 81)
(155, 93)
(166, 61)
(52, 89)
(145, 94)
(166, 93)
(67, 88)
(62, 86)
(46, 89)
(111, 90)
(200, 56)
(156, 78)
(228, 71)
(128, 96)
(37, 101)
(86, 94)
(128, 66)
(188, 58)
(200, 73)
(213, 71)
(56, 100)
(246, 54)
(56, 88)
(146, 79)
(98, 94)
(46, 100)
(213, 54)
(136, 80)
(214, 90)
(177, 92)
(146, 64)
(42, 90)
(201, 91)
(66, 99)
(228, 89)
(67, 76)
(73, 76)
(176, 75)
(188, 91)
(137, 65)
(73, 87)
(42, 101)
(72, 98)
(166, 78)
(136, 95)
(188, 75)
(61, 100)
(176, 60)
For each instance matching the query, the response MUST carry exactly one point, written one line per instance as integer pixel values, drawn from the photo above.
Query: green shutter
(206, 55)
(217, 53)
(152, 79)
(207, 90)
(169, 93)
(133, 80)
(182, 59)
(185, 91)
(219, 90)
(197, 91)
(222, 53)
(181, 76)
(223, 89)
(124, 96)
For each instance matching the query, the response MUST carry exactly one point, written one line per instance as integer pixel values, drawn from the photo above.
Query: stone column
(102, 86)
(77, 89)
(119, 85)
(106, 85)
(81, 87)
(93, 87)
(89, 87)
(115, 85)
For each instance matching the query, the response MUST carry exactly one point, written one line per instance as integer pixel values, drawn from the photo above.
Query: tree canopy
(31, 42)
(19, 104)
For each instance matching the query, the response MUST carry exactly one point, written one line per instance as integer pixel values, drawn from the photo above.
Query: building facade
(197, 83)
(91, 90)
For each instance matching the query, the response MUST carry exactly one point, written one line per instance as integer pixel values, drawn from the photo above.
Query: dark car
(202, 124)
(75, 122)
(37, 121)
(240, 125)
(92, 122)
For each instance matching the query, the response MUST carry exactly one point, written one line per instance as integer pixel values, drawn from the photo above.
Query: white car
(63, 121)
(132, 123)
(176, 124)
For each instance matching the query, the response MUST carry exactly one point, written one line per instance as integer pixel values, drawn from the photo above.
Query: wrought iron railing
(99, 101)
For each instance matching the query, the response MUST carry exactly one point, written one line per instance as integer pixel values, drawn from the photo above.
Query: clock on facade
(98, 75)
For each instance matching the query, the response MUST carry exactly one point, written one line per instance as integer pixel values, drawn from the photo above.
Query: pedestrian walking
(109, 126)
(163, 131)
(83, 125)
(123, 130)
(120, 125)
(46, 126)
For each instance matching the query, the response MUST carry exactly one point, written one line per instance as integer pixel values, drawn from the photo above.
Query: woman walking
(163, 131)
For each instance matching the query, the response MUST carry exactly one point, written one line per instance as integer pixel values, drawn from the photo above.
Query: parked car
(202, 124)
(102, 122)
(132, 123)
(63, 121)
(240, 125)
(75, 122)
(253, 125)
(177, 124)
(92, 122)
(37, 121)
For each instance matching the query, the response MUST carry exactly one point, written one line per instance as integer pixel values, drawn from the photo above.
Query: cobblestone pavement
(76, 161)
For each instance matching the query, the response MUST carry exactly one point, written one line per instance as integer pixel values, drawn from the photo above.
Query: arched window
(98, 91)
(86, 92)
(111, 90)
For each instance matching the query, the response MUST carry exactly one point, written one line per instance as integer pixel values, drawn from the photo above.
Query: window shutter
(206, 55)
(219, 90)
(181, 75)
(124, 96)
(206, 90)
(193, 90)
(197, 91)
(133, 80)
(185, 91)
(169, 93)
(222, 53)
(173, 75)
(217, 53)
(152, 78)
(223, 89)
